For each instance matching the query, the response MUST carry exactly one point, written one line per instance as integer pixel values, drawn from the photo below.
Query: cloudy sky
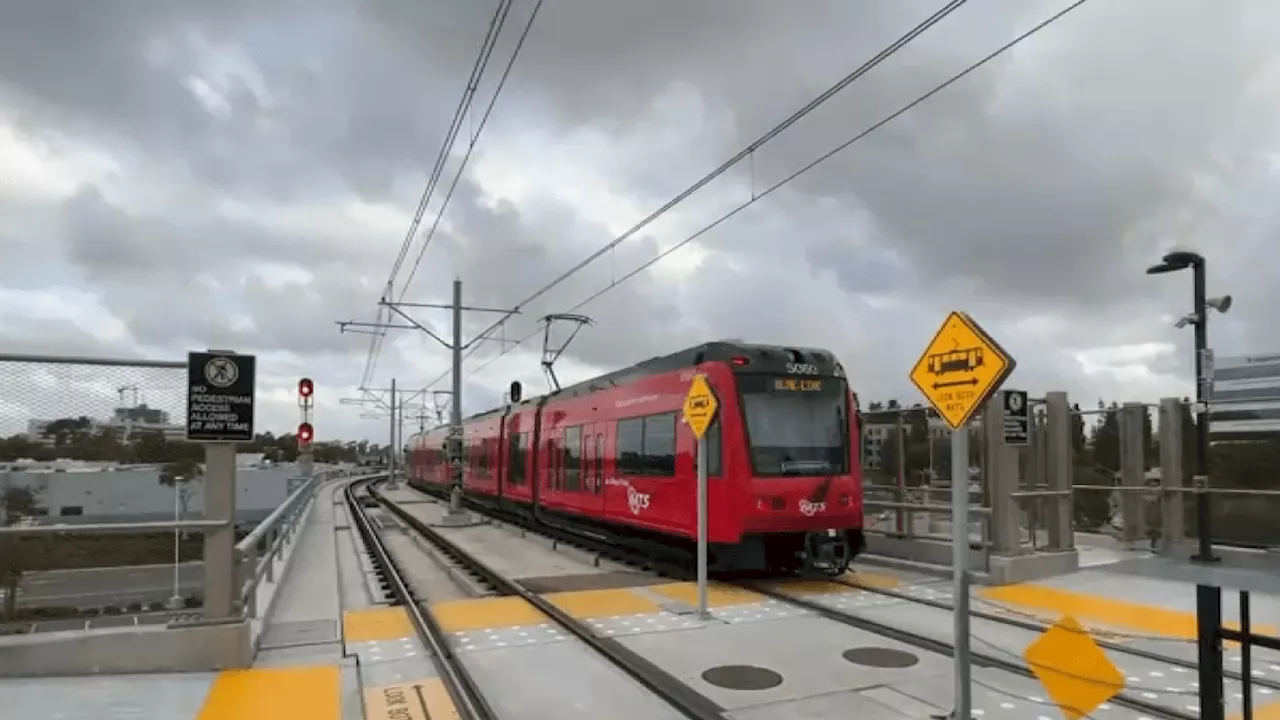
(241, 175)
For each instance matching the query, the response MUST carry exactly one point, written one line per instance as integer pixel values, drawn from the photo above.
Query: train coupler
(827, 553)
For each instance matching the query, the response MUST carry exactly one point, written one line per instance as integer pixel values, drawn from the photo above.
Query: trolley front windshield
(796, 425)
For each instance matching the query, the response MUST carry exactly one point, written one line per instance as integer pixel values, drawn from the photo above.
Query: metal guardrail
(279, 529)
(100, 528)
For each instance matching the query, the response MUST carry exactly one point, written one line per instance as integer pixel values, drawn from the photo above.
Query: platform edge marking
(1113, 612)
(283, 693)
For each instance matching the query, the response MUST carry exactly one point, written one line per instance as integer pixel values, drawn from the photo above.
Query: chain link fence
(90, 410)
(88, 441)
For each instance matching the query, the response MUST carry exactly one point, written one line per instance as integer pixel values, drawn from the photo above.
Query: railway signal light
(306, 388)
(305, 433)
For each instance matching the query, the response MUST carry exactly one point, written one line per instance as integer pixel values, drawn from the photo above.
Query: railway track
(466, 694)
(615, 547)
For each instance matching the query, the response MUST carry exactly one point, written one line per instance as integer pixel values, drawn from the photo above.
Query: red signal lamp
(305, 433)
(306, 388)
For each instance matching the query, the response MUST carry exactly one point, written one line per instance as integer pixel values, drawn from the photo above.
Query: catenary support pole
(455, 409)
(703, 613)
(960, 566)
(391, 444)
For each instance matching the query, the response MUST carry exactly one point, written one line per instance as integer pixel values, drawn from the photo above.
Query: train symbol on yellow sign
(966, 360)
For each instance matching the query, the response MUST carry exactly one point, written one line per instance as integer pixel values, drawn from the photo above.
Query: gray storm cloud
(1032, 193)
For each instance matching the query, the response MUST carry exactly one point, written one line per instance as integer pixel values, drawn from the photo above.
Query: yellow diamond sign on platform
(1075, 672)
(960, 369)
(700, 406)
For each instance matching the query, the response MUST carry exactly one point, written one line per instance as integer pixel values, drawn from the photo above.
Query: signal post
(700, 407)
(959, 371)
(306, 433)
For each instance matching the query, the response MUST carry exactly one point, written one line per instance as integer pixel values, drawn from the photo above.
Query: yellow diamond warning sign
(700, 406)
(960, 369)
(1075, 672)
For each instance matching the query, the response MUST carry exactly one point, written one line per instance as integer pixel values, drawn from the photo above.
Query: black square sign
(220, 394)
(1017, 417)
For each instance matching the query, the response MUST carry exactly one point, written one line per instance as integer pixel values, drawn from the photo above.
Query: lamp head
(1180, 259)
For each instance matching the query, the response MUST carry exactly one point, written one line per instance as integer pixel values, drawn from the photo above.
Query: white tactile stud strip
(503, 637)
(385, 662)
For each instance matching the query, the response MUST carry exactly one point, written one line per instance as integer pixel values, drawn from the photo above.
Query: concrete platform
(332, 650)
(539, 563)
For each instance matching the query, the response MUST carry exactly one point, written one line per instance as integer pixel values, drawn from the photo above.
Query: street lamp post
(1199, 319)
(1208, 597)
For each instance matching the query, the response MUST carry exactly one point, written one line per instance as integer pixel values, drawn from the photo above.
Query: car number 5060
(802, 369)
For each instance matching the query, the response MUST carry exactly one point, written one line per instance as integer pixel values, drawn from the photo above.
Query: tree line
(79, 439)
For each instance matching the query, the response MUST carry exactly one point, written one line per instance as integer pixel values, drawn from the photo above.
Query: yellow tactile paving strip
(717, 595)
(289, 693)
(1116, 614)
(376, 624)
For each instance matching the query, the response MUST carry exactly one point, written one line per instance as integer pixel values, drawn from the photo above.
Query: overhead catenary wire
(471, 146)
(803, 170)
(496, 24)
(745, 152)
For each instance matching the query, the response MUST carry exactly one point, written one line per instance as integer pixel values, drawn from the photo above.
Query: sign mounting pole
(699, 411)
(958, 372)
(221, 388)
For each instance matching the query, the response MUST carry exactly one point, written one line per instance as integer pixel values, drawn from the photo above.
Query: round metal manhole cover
(742, 677)
(880, 657)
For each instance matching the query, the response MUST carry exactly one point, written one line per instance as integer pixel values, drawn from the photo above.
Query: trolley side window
(518, 443)
(573, 459)
(713, 448)
(599, 463)
(647, 445)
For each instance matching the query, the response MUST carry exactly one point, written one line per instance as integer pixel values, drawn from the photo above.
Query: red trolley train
(785, 487)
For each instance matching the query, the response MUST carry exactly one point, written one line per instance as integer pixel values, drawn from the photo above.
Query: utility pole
(453, 447)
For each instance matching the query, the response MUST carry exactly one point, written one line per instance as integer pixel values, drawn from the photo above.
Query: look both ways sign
(960, 369)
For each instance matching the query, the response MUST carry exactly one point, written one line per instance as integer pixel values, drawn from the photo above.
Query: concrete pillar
(1059, 466)
(1000, 471)
(220, 571)
(1132, 470)
(1172, 532)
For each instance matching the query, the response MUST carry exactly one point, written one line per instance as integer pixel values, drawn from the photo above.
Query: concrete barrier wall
(127, 651)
